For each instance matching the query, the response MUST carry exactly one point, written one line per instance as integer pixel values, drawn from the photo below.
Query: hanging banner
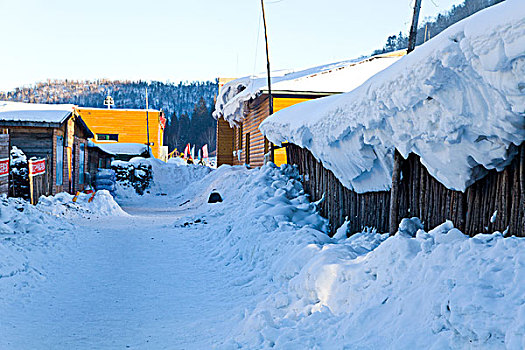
(37, 167)
(4, 167)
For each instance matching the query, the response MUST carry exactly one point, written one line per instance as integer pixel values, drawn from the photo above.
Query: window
(107, 137)
(239, 138)
(81, 159)
(59, 160)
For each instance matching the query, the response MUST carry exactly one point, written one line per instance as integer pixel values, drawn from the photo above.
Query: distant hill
(172, 98)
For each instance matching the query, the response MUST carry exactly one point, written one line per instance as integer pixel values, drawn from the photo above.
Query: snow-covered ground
(254, 271)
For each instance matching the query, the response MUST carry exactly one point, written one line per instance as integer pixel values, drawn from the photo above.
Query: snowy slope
(458, 101)
(331, 78)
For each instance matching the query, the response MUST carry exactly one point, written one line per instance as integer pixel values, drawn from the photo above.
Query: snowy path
(139, 284)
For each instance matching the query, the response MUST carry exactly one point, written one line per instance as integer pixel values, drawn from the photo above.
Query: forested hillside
(191, 102)
(431, 27)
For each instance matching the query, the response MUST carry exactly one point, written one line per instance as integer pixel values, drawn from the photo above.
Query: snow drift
(62, 205)
(457, 101)
(438, 289)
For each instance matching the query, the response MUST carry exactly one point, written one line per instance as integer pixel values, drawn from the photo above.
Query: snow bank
(25, 232)
(62, 205)
(458, 101)
(331, 78)
(438, 289)
(169, 179)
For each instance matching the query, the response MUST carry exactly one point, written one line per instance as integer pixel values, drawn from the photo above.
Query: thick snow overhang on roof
(458, 101)
(28, 113)
(123, 148)
(322, 80)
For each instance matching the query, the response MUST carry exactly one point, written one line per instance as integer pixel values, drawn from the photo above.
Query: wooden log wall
(422, 196)
(425, 197)
(363, 210)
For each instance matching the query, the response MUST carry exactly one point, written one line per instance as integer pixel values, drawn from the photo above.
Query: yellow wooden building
(126, 126)
(239, 140)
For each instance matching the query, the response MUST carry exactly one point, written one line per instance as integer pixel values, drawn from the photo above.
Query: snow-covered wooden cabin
(55, 133)
(441, 132)
(242, 104)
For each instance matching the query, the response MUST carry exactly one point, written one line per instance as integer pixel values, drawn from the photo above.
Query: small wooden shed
(52, 132)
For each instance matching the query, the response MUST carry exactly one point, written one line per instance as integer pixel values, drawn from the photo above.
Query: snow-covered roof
(123, 148)
(458, 101)
(35, 112)
(326, 79)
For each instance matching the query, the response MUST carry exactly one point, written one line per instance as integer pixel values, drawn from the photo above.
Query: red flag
(187, 151)
(205, 151)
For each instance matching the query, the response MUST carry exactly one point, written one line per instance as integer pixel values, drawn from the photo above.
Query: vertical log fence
(494, 203)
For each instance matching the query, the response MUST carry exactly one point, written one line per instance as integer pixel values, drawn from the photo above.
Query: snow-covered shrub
(136, 173)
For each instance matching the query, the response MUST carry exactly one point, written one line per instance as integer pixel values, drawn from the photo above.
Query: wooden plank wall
(224, 143)
(4, 153)
(423, 196)
(364, 210)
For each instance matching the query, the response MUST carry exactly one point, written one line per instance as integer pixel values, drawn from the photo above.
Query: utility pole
(398, 159)
(147, 118)
(270, 103)
(413, 28)
(270, 97)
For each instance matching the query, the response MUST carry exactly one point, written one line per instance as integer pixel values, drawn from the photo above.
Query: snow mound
(437, 289)
(25, 231)
(62, 205)
(169, 179)
(457, 101)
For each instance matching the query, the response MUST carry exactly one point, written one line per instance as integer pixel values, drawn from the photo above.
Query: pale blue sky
(188, 40)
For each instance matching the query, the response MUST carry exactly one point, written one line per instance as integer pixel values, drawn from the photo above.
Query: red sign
(37, 167)
(4, 167)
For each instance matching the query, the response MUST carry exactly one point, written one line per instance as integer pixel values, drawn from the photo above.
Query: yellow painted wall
(279, 155)
(129, 124)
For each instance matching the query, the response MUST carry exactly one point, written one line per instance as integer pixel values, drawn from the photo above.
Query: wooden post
(270, 97)
(394, 193)
(413, 27)
(396, 172)
(147, 119)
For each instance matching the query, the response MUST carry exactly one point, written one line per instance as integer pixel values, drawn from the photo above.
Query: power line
(257, 44)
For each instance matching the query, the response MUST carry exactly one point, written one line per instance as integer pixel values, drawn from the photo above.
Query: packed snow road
(127, 282)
